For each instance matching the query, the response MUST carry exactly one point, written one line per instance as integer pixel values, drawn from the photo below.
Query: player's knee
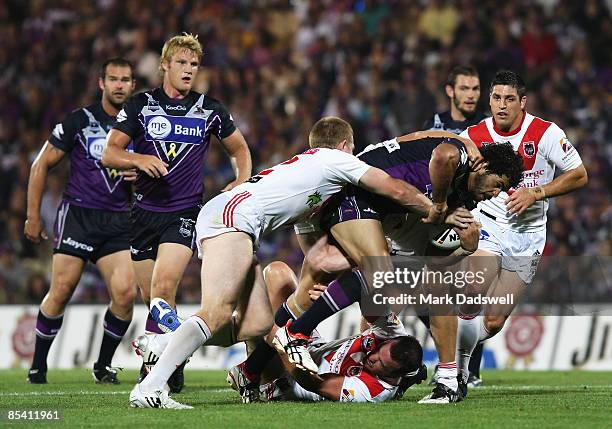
(494, 324)
(61, 290)
(279, 279)
(165, 289)
(125, 296)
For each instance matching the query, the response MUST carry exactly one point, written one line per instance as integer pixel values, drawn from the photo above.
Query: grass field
(508, 400)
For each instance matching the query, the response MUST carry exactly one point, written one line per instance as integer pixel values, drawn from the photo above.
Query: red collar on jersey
(511, 132)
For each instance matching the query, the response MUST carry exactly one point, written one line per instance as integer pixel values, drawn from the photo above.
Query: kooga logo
(177, 107)
(159, 127)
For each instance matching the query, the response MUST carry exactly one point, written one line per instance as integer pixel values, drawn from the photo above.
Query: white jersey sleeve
(366, 388)
(344, 167)
(558, 150)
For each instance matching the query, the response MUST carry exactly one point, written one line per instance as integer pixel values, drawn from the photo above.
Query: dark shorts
(150, 229)
(355, 203)
(90, 234)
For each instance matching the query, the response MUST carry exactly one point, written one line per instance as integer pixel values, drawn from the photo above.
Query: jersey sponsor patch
(95, 147)
(348, 395)
(177, 129)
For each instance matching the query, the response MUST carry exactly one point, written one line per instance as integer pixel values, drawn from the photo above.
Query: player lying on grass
(419, 158)
(229, 228)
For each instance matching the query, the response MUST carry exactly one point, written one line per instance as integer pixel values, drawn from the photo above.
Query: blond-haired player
(171, 128)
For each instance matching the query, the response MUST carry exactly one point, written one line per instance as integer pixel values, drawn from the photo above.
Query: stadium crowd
(279, 65)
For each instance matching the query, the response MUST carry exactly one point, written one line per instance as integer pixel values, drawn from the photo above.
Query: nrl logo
(529, 149)
(314, 199)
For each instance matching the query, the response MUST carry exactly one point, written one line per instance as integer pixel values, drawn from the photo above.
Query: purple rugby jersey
(177, 132)
(83, 134)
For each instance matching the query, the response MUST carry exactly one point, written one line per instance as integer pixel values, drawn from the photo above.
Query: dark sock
(283, 315)
(474, 365)
(46, 330)
(152, 326)
(259, 358)
(114, 330)
(425, 320)
(340, 293)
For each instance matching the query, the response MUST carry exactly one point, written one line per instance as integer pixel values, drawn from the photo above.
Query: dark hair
(503, 161)
(329, 131)
(407, 351)
(460, 70)
(117, 61)
(510, 78)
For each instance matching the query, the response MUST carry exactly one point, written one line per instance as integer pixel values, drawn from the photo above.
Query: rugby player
(92, 222)
(463, 90)
(418, 158)
(514, 223)
(171, 128)
(229, 228)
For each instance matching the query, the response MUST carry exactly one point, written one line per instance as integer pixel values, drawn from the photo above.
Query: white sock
(447, 375)
(470, 332)
(192, 333)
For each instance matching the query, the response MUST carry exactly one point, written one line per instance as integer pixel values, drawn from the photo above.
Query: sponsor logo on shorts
(186, 228)
(69, 241)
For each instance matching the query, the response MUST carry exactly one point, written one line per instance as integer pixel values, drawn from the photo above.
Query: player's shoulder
(481, 132)
(78, 117)
(208, 101)
(544, 128)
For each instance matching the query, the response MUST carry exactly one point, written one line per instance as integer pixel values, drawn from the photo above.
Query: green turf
(508, 400)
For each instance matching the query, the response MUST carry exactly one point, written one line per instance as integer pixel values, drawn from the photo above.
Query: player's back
(296, 189)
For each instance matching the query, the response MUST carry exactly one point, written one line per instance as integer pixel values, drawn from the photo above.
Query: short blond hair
(186, 41)
(329, 131)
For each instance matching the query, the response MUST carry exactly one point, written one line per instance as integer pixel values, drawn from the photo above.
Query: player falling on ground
(420, 159)
(171, 127)
(92, 222)
(229, 228)
(514, 223)
(463, 91)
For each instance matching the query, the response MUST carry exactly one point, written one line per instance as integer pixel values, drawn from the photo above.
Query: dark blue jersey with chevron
(178, 132)
(82, 134)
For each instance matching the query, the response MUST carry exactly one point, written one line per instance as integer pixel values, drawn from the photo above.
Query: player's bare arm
(237, 149)
(115, 156)
(475, 157)
(48, 157)
(329, 385)
(569, 181)
(377, 181)
(442, 168)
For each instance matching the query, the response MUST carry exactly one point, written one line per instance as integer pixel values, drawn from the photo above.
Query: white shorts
(519, 251)
(229, 212)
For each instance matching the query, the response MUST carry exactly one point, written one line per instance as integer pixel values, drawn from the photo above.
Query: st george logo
(159, 127)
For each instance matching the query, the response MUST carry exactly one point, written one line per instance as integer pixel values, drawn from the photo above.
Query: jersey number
(261, 174)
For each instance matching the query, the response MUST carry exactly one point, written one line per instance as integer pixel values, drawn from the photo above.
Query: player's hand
(151, 165)
(469, 236)
(316, 292)
(129, 175)
(459, 218)
(34, 231)
(476, 160)
(437, 214)
(520, 200)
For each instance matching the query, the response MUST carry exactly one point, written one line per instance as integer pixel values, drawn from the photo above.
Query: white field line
(586, 388)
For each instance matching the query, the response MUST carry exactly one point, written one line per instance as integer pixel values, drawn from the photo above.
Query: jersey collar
(511, 132)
